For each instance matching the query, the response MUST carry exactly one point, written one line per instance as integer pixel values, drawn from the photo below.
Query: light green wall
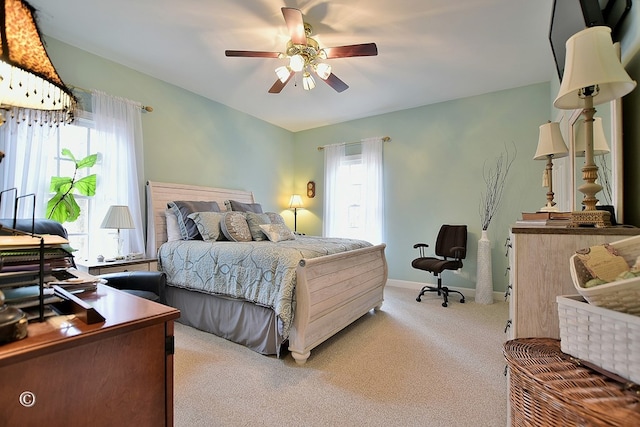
(433, 172)
(433, 165)
(187, 138)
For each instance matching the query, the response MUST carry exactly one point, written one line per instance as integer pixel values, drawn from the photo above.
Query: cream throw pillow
(277, 232)
(173, 229)
(235, 228)
(208, 224)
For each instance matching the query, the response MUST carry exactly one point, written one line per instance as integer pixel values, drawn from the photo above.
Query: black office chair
(451, 249)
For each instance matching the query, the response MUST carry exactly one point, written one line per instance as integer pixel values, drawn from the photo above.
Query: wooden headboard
(161, 193)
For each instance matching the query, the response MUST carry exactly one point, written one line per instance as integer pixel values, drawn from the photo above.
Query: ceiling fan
(306, 56)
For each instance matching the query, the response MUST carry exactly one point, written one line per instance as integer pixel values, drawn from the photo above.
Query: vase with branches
(495, 178)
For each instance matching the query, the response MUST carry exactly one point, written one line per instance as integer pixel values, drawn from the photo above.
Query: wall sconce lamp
(295, 203)
(28, 79)
(311, 189)
(118, 217)
(550, 146)
(593, 75)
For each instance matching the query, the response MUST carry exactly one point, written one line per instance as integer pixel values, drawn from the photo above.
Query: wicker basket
(546, 388)
(621, 295)
(603, 337)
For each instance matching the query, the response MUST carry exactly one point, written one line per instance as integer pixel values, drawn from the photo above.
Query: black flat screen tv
(567, 18)
(570, 16)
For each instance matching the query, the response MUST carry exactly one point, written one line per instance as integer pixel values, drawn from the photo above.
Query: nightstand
(96, 268)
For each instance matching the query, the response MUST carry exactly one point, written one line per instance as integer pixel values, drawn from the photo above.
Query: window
(78, 139)
(352, 179)
(33, 156)
(353, 199)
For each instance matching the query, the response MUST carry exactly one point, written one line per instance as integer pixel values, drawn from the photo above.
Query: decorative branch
(495, 177)
(604, 177)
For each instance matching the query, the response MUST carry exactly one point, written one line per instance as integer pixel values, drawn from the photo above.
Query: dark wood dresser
(116, 372)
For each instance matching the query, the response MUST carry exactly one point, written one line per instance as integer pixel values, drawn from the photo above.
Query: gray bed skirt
(240, 321)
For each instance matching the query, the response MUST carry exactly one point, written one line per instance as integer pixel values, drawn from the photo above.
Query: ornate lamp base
(590, 218)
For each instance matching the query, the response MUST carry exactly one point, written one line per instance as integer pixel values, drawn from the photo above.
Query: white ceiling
(429, 50)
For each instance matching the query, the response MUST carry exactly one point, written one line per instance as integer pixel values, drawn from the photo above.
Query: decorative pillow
(254, 220)
(182, 209)
(275, 218)
(233, 205)
(208, 224)
(277, 232)
(173, 230)
(235, 228)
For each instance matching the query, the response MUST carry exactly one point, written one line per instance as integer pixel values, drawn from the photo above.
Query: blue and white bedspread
(262, 272)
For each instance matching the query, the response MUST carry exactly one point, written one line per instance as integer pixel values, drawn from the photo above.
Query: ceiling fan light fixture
(296, 63)
(323, 70)
(283, 73)
(308, 82)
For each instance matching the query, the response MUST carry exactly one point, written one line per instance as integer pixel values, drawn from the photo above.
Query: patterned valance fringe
(38, 117)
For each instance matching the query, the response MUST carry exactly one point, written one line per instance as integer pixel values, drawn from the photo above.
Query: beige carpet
(410, 364)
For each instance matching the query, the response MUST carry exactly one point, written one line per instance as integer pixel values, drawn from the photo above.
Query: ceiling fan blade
(336, 83)
(295, 24)
(279, 85)
(365, 49)
(251, 54)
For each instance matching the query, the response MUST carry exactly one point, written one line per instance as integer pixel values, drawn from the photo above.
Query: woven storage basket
(621, 295)
(606, 338)
(546, 388)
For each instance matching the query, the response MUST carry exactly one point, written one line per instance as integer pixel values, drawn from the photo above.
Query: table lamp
(593, 75)
(118, 217)
(295, 203)
(600, 145)
(550, 145)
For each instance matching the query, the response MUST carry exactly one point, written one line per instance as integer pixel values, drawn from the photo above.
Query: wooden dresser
(116, 372)
(539, 271)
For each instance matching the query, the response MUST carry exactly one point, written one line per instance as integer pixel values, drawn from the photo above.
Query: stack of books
(544, 219)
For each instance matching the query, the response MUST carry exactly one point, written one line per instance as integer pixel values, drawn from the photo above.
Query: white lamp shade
(308, 82)
(295, 202)
(119, 217)
(296, 63)
(283, 73)
(323, 70)
(592, 60)
(550, 142)
(600, 145)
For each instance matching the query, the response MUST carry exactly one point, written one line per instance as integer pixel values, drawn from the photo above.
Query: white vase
(484, 281)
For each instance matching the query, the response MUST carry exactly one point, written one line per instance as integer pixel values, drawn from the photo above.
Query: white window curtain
(373, 189)
(27, 149)
(333, 214)
(118, 125)
(339, 198)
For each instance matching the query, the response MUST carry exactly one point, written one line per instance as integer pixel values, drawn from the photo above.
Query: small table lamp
(295, 203)
(550, 145)
(600, 145)
(118, 217)
(593, 75)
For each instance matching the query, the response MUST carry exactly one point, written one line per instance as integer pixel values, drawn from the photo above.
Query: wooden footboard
(332, 292)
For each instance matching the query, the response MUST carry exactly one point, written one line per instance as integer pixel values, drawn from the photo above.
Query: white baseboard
(467, 292)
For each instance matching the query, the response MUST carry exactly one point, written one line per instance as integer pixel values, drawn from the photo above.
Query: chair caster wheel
(418, 299)
(444, 304)
(462, 301)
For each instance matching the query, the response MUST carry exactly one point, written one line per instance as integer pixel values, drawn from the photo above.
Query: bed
(329, 291)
